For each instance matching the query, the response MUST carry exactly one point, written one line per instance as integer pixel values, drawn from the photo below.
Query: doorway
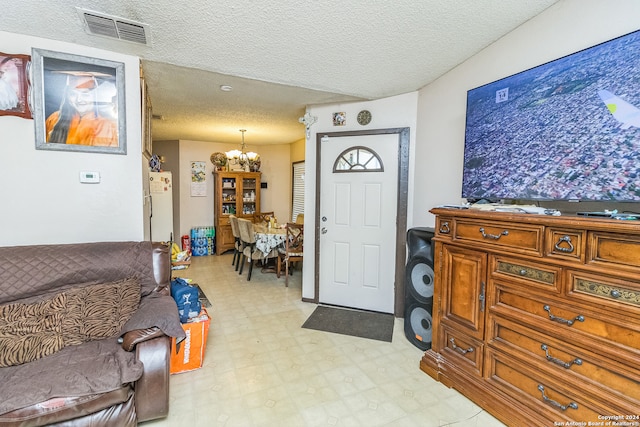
(361, 219)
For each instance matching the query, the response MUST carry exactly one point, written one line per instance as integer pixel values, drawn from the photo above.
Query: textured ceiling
(279, 56)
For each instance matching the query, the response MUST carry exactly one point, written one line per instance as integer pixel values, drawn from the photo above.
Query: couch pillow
(31, 331)
(99, 311)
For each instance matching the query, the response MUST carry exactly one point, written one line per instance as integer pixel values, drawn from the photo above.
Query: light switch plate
(87, 177)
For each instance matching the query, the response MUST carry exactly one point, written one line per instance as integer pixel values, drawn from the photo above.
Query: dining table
(269, 238)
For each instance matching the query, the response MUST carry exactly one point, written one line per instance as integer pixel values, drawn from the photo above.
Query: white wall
(567, 27)
(198, 211)
(394, 112)
(41, 196)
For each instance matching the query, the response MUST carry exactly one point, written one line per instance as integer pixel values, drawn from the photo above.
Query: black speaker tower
(418, 288)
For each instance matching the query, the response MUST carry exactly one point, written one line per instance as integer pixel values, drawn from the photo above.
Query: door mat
(202, 297)
(357, 323)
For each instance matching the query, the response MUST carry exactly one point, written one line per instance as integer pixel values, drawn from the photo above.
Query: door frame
(401, 207)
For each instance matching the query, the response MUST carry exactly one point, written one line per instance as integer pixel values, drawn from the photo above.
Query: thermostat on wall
(89, 177)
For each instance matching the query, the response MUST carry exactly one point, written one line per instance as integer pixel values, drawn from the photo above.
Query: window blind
(298, 190)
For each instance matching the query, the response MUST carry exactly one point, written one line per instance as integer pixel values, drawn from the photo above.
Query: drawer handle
(444, 228)
(493, 236)
(579, 318)
(615, 293)
(459, 349)
(565, 365)
(566, 239)
(572, 405)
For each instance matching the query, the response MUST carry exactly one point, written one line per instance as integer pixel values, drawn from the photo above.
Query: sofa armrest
(152, 389)
(131, 338)
(156, 310)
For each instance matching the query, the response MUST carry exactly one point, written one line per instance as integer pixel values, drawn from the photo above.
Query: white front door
(358, 209)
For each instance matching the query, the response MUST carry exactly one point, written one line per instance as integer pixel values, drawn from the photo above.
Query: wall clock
(364, 117)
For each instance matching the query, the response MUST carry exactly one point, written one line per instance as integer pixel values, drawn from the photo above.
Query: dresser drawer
(467, 350)
(603, 332)
(562, 359)
(444, 226)
(618, 251)
(531, 275)
(565, 244)
(548, 396)
(601, 291)
(519, 238)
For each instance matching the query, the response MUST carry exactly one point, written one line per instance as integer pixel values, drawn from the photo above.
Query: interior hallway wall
(42, 198)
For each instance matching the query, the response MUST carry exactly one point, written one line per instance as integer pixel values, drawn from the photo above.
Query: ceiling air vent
(113, 27)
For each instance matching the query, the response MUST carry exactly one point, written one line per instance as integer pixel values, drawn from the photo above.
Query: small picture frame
(340, 118)
(14, 85)
(78, 102)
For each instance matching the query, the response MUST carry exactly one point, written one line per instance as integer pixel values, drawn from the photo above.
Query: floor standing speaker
(418, 287)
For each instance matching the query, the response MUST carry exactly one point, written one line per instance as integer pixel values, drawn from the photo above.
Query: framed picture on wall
(78, 102)
(14, 85)
(147, 141)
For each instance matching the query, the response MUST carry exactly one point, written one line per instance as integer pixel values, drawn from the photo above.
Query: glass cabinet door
(249, 191)
(229, 196)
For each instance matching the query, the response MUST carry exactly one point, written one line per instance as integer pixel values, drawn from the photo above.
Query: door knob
(324, 230)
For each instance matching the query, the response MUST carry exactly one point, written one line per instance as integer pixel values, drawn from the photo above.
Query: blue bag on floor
(187, 299)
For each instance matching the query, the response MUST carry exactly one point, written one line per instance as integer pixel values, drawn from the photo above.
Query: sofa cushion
(30, 271)
(100, 311)
(31, 331)
(91, 368)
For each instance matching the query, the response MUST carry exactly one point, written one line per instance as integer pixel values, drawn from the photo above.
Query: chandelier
(239, 157)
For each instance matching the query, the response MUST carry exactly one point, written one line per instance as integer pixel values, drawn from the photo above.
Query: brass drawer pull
(444, 228)
(493, 236)
(572, 405)
(566, 239)
(579, 318)
(565, 365)
(459, 349)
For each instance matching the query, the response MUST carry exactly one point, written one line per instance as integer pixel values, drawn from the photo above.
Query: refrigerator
(161, 206)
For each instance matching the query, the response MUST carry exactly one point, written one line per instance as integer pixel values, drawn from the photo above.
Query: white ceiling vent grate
(103, 25)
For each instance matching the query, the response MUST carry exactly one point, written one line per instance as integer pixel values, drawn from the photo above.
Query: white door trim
(401, 207)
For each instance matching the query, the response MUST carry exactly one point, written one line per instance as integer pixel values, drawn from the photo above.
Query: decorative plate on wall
(364, 117)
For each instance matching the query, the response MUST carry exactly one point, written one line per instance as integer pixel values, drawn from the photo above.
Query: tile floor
(262, 369)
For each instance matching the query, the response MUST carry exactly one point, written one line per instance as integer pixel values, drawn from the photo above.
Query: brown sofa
(74, 375)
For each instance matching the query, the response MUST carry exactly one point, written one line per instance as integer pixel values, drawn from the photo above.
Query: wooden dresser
(536, 318)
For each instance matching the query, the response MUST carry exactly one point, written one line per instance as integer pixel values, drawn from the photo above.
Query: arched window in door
(358, 159)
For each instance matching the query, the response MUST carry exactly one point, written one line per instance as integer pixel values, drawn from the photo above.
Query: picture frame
(14, 85)
(146, 114)
(78, 103)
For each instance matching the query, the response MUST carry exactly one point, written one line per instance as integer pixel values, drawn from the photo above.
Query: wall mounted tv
(565, 130)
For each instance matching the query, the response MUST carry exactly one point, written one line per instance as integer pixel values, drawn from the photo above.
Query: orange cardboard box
(188, 355)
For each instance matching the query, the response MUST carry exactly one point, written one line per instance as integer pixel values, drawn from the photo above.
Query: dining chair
(262, 217)
(249, 251)
(293, 249)
(237, 247)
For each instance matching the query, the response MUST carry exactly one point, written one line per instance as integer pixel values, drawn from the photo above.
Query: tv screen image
(565, 130)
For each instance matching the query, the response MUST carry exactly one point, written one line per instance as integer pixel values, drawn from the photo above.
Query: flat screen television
(565, 130)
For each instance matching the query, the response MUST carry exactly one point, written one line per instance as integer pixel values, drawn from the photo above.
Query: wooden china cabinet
(235, 193)
(536, 318)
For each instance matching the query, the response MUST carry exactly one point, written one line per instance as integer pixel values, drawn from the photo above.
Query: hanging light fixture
(239, 157)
